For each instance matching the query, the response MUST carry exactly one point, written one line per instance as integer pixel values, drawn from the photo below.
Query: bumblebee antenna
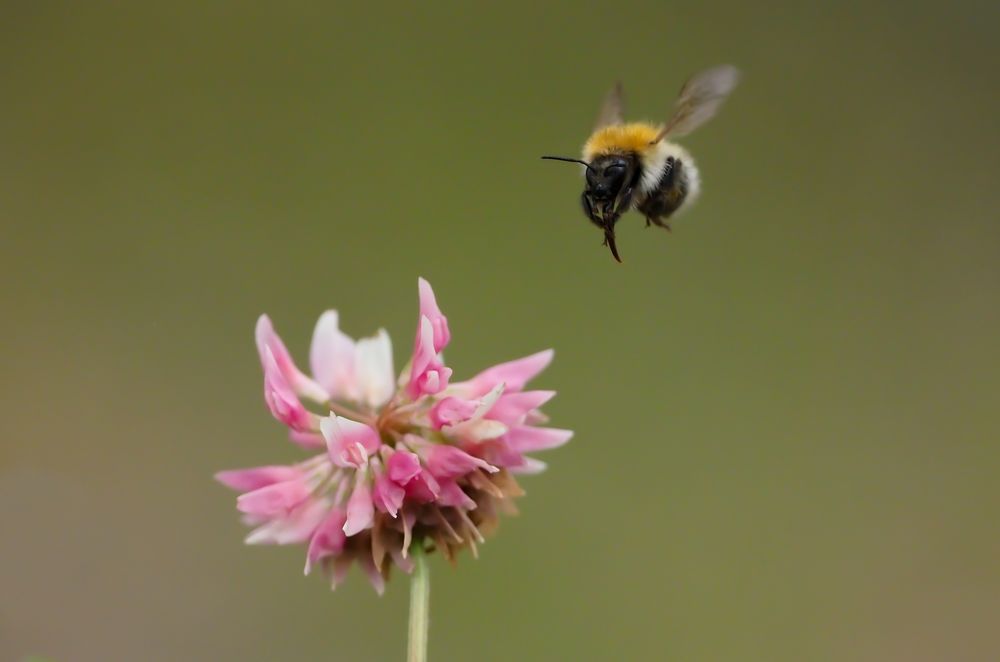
(563, 158)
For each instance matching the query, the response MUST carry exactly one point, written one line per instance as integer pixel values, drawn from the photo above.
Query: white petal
(475, 430)
(332, 357)
(373, 369)
(487, 401)
(530, 466)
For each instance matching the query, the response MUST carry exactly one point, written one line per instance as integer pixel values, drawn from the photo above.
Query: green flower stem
(420, 601)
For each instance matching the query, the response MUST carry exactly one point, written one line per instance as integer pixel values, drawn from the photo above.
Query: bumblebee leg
(588, 210)
(624, 201)
(659, 222)
(667, 198)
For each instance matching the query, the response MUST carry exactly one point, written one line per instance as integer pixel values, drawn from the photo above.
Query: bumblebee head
(610, 179)
(606, 176)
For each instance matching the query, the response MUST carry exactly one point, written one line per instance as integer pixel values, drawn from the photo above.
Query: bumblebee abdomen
(676, 188)
(657, 162)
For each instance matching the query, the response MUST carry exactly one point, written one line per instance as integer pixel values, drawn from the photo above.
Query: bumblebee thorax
(633, 138)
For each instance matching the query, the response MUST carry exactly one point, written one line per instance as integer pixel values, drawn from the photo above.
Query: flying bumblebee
(633, 165)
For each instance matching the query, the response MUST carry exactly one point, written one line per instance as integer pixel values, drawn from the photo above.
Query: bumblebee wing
(613, 109)
(699, 100)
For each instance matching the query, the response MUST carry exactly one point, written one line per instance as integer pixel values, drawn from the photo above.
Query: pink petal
(535, 417)
(281, 399)
(451, 410)
(423, 487)
(253, 520)
(388, 495)
(432, 381)
(338, 572)
(500, 454)
(360, 509)
(403, 466)
(528, 439)
(399, 558)
(503, 456)
(348, 442)
(268, 339)
(428, 375)
(274, 500)
(429, 309)
(254, 478)
(374, 576)
(446, 462)
(515, 374)
(307, 440)
(295, 528)
(327, 540)
(476, 428)
(513, 408)
(452, 495)
(332, 358)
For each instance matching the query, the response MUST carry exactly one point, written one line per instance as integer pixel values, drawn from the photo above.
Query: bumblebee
(633, 165)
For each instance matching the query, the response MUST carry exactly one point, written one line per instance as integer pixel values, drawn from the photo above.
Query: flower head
(397, 460)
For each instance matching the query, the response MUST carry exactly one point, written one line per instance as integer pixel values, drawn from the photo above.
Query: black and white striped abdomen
(656, 175)
(669, 183)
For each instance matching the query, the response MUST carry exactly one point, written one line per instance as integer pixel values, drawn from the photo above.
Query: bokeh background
(786, 411)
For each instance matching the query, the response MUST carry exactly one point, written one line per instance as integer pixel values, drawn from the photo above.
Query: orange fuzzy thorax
(620, 139)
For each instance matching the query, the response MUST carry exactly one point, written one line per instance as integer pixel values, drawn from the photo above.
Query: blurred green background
(786, 411)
